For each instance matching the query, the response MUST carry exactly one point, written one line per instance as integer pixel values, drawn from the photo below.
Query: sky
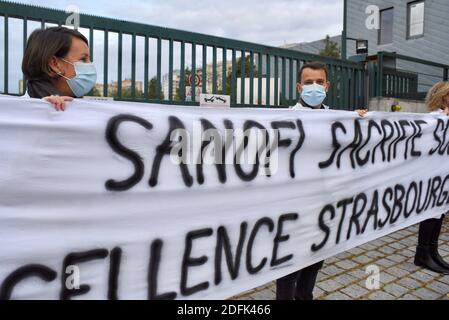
(270, 22)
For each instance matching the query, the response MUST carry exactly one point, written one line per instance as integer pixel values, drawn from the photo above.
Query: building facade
(413, 28)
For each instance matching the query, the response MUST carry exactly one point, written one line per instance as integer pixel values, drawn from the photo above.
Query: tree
(187, 73)
(238, 72)
(331, 48)
(95, 92)
(152, 90)
(127, 93)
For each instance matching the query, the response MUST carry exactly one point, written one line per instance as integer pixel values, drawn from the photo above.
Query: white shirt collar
(299, 106)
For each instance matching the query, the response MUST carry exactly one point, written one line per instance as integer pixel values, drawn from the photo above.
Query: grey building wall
(433, 46)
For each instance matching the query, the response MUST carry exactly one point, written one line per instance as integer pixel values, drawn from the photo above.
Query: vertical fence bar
(242, 77)
(223, 73)
(343, 84)
(251, 77)
(358, 87)
(146, 67)
(402, 85)
(445, 74)
(182, 76)
(193, 78)
(214, 70)
(233, 78)
(354, 88)
(133, 66)
(159, 71)
(346, 86)
(283, 80)
(350, 84)
(170, 70)
(25, 38)
(336, 85)
(276, 81)
(25, 33)
(364, 88)
(259, 79)
(119, 67)
(5, 81)
(268, 79)
(339, 86)
(298, 66)
(393, 84)
(105, 63)
(91, 43)
(330, 98)
(390, 85)
(397, 85)
(204, 71)
(42, 24)
(290, 81)
(380, 75)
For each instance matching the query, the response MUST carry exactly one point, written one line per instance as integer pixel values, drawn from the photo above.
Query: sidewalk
(343, 277)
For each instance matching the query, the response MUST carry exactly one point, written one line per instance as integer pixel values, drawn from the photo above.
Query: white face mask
(84, 80)
(313, 94)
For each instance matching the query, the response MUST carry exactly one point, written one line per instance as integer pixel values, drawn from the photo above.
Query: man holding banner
(313, 85)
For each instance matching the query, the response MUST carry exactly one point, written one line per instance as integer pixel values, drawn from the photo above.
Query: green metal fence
(400, 76)
(252, 74)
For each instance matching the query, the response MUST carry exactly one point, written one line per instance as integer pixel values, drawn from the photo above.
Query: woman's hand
(58, 101)
(361, 112)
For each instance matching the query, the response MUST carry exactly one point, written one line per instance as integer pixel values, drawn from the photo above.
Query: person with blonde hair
(427, 256)
(437, 99)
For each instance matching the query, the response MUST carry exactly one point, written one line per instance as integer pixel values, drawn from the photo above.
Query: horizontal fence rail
(140, 62)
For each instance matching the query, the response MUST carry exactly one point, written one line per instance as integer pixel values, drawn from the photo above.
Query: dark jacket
(41, 88)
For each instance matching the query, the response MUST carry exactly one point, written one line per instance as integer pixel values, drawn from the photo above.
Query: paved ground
(344, 276)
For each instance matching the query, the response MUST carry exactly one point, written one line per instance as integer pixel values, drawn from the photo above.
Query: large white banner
(94, 205)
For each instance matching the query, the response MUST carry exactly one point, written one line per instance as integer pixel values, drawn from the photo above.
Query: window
(386, 26)
(415, 19)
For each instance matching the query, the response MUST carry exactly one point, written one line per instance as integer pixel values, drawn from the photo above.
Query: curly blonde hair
(434, 98)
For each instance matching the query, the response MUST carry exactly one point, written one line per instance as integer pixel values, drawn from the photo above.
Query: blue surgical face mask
(84, 80)
(313, 94)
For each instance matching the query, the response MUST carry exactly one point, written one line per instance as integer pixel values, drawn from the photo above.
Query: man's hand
(58, 102)
(361, 112)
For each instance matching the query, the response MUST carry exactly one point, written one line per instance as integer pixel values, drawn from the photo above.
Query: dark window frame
(380, 27)
(409, 9)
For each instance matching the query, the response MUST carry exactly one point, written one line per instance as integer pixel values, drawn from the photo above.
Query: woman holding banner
(427, 255)
(57, 66)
